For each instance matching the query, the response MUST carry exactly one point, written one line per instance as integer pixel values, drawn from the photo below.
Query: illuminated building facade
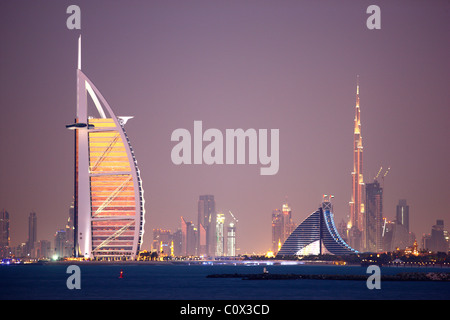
(282, 226)
(177, 239)
(402, 213)
(226, 234)
(63, 246)
(355, 225)
(317, 234)
(288, 224)
(70, 227)
(231, 235)
(220, 235)
(162, 242)
(277, 229)
(231, 239)
(109, 201)
(4, 233)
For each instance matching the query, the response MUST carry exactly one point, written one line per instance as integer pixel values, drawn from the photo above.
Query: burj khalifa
(355, 226)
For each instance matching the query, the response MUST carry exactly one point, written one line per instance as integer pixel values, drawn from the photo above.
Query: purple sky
(288, 65)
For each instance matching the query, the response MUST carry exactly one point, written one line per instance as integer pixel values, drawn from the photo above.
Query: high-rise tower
(403, 213)
(207, 220)
(282, 226)
(372, 237)
(109, 199)
(355, 225)
(4, 229)
(32, 231)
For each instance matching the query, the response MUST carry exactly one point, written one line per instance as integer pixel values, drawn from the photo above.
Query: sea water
(190, 282)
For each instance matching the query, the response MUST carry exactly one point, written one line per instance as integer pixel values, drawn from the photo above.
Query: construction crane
(384, 175)
(376, 177)
(387, 171)
(232, 215)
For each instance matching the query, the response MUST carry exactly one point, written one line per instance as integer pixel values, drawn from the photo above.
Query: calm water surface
(183, 282)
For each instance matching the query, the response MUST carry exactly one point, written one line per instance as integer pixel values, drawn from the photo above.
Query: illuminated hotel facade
(109, 199)
(317, 234)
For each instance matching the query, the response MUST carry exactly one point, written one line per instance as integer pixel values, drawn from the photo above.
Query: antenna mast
(79, 53)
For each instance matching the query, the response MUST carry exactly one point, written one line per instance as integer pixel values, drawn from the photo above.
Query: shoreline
(403, 276)
(262, 263)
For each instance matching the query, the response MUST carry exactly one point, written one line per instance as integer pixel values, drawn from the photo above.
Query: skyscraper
(402, 215)
(225, 234)
(189, 236)
(207, 220)
(4, 233)
(288, 224)
(32, 231)
(70, 228)
(231, 235)
(4, 228)
(42, 249)
(395, 236)
(372, 236)
(109, 201)
(220, 235)
(277, 230)
(62, 248)
(355, 225)
(162, 241)
(231, 239)
(437, 240)
(177, 243)
(282, 226)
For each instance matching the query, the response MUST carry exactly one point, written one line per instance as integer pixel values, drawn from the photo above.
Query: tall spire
(357, 84)
(356, 223)
(79, 53)
(357, 121)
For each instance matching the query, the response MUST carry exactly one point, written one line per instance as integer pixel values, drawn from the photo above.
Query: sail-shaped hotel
(109, 199)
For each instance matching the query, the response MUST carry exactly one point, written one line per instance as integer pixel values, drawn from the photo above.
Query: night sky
(287, 65)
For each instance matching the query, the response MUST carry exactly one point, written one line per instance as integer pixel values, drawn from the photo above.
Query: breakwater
(403, 276)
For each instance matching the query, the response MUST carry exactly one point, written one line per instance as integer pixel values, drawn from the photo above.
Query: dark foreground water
(183, 282)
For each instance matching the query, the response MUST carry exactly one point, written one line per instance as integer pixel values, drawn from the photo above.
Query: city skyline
(232, 65)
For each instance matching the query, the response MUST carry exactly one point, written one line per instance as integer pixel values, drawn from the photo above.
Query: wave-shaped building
(109, 199)
(317, 234)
